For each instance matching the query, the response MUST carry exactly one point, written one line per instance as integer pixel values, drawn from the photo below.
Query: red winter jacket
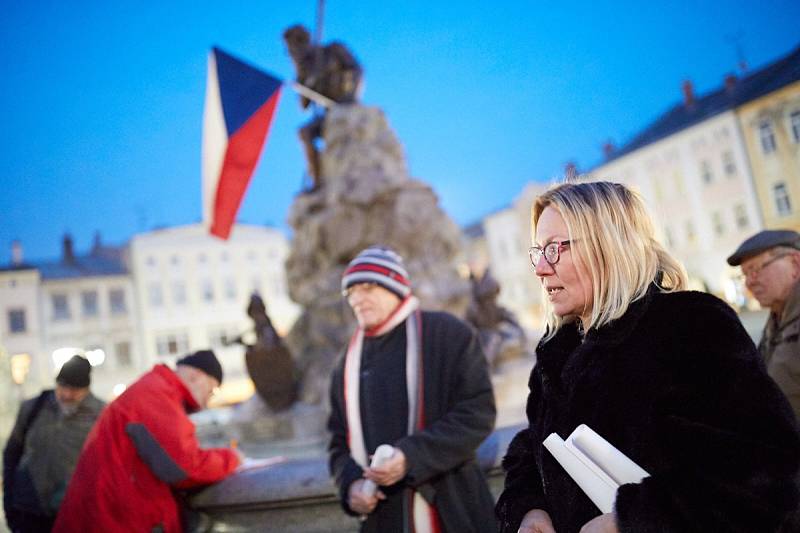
(142, 446)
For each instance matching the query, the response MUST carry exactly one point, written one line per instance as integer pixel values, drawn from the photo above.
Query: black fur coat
(677, 385)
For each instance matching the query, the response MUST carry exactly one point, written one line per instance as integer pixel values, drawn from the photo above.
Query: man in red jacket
(141, 448)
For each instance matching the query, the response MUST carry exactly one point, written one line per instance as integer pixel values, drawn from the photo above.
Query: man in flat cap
(417, 382)
(144, 446)
(44, 446)
(770, 262)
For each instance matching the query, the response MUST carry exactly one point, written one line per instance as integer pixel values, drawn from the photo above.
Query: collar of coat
(791, 310)
(552, 353)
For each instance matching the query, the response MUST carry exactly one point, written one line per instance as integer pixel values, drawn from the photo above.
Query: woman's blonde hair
(613, 237)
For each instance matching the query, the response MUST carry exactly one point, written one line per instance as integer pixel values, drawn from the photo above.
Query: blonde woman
(668, 376)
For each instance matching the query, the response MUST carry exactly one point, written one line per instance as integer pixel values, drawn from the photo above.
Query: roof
(755, 85)
(101, 261)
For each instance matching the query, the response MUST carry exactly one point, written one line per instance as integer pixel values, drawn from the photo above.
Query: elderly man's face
(371, 303)
(771, 275)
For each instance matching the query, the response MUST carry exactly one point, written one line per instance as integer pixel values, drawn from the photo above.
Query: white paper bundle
(596, 466)
(382, 454)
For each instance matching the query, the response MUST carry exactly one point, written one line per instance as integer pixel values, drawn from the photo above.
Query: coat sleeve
(342, 466)
(522, 491)
(726, 438)
(453, 438)
(167, 444)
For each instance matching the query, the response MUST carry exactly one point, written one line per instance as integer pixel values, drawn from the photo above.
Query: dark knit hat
(204, 360)
(75, 373)
(763, 241)
(381, 265)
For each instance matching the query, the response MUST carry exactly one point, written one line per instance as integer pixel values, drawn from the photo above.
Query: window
(154, 295)
(16, 321)
(783, 204)
(116, 300)
(728, 164)
(123, 353)
(60, 307)
(230, 289)
(172, 344)
(207, 291)
(705, 172)
(179, 292)
(794, 125)
(767, 137)
(740, 215)
(89, 303)
(221, 338)
(716, 222)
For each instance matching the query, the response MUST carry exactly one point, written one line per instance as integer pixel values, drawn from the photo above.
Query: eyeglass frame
(542, 252)
(755, 272)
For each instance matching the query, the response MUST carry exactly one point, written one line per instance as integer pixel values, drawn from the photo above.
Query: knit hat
(381, 265)
(75, 373)
(204, 360)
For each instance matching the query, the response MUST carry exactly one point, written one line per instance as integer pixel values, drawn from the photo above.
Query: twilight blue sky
(102, 101)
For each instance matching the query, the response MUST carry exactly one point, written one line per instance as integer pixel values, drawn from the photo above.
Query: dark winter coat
(459, 413)
(41, 452)
(142, 447)
(677, 385)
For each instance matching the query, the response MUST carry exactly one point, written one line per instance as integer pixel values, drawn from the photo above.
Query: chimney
(16, 253)
(730, 82)
(688, 93)
(68, 255)
(608, 149)
(97, 246)
(570, 170)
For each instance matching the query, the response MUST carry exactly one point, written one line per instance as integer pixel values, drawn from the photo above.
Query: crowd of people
(668, 376)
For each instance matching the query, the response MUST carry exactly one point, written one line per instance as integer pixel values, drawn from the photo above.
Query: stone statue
(501, 336)
(269, 362)
(330, 70)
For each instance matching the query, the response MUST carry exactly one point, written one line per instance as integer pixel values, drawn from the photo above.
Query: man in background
(142, 448)
(770, 262)
(44, 446)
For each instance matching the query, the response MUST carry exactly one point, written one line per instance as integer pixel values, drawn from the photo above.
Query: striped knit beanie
(381, 265)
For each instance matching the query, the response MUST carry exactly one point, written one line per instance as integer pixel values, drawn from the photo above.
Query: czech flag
(240, 103)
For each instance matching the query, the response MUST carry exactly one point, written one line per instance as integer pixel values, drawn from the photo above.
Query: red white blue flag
(240, 103)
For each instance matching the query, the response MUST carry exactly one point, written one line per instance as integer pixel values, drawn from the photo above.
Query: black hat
(204, 360)
(762, 241)
(75, 373)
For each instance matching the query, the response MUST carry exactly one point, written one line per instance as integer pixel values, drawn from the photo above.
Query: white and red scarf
(424, 515)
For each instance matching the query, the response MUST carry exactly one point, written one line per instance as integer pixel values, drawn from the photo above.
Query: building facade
(193, 289)
(771, 128)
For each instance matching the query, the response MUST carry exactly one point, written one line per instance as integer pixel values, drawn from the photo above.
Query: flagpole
(311, 94)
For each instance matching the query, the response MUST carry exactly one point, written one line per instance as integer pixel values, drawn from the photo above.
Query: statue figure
(501, 336)
(329, 70)
(269, 362)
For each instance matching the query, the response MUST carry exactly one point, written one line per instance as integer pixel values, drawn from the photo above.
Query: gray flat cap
(762, 241)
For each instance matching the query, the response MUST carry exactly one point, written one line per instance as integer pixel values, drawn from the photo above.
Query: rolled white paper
(382, 454)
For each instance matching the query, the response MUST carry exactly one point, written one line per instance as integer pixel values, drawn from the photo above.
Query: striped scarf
(424, 519)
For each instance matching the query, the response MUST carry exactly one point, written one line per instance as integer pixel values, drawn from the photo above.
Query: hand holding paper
(596, 466)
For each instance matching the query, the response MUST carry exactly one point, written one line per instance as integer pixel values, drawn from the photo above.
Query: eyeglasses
(755, 271)
(551, 252)
(358, 287)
